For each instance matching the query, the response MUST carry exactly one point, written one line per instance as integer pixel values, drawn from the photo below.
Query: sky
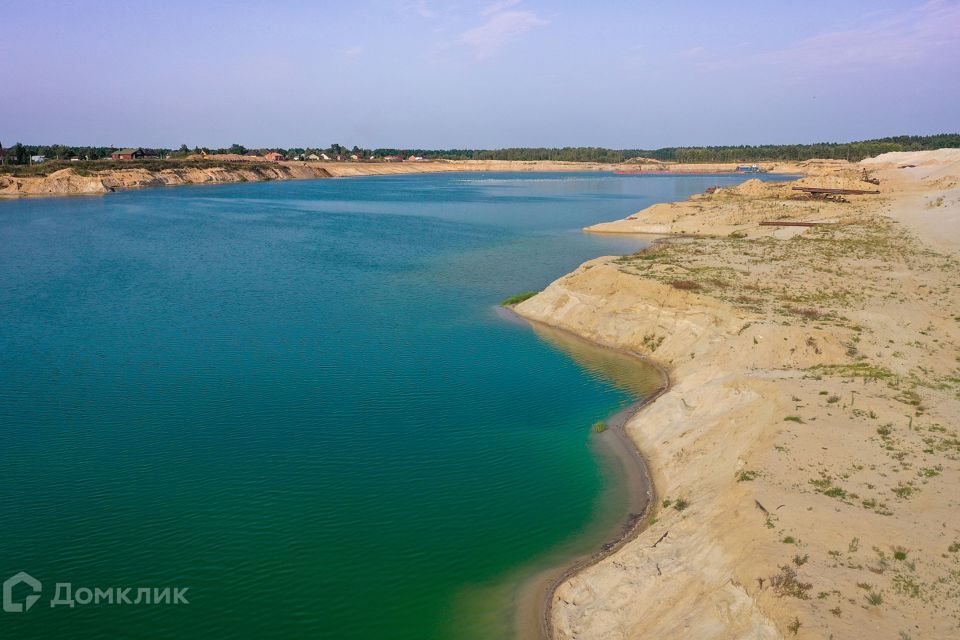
(476, 74)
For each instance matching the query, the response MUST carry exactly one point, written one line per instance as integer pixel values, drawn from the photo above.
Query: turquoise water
(297, 400)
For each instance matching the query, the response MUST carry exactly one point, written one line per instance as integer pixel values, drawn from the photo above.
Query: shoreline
(67, 181)
(718, 440)
(541, 587)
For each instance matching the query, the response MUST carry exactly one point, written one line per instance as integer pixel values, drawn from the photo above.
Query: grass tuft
(518, 298)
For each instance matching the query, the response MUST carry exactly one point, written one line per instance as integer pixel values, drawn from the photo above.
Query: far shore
(85, 180)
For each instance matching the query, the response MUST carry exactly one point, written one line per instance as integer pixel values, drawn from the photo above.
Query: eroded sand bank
(811, 431)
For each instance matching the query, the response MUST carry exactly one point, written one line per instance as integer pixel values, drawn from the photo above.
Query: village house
(274, 156)
(37, 159)
(134, 154)
(313, 156)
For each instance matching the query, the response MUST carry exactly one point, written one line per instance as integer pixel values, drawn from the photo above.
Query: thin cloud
(353, 52)
(497, 7)
(502, 26)
(423, 9)
(911, 37)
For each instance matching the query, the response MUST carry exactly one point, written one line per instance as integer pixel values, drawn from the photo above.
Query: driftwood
(838, 192)
(659, 540)
(791, 223)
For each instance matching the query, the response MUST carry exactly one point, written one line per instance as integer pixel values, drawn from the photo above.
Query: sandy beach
(806, 457)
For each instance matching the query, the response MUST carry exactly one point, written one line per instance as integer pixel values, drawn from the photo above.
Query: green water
(297, 400)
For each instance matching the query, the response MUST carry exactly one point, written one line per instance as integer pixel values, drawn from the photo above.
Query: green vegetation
(794, 626)
(786, 583)
(599, 427)
(680, 504)
(746, 476)
(797, 419)
(874, 598)
(88, 167)
(517, 299)
(853, 151)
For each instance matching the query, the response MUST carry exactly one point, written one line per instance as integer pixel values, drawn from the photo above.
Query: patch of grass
(518, 298)
(800, 560)
(903, 491)
(836, 492)
(906, 586)
(794, 626)
(686, 285)
(787, 583)
(856, 370)
(652, 341)
(789, 540)
(899, 553)
(599, 427)
(796, 419)
(746, 476)
(680, 504)
(875, 598)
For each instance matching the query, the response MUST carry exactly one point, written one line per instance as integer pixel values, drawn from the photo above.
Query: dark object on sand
(791, 223)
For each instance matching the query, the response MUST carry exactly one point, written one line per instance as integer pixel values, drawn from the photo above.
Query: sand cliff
(808, 454)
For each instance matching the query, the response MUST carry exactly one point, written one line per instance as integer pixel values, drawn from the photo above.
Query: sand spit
(243, 169)
(808, 454)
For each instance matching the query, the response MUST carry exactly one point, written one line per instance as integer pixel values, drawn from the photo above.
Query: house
(354, 157)
(393, 158)
(324, 156)
(37, 159)
(313, 156)
(134, 154)
(274, 156)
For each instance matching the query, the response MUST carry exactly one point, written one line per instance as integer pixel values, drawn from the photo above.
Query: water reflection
(626, 372)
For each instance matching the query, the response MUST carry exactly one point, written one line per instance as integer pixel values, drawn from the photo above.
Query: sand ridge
(808, 454)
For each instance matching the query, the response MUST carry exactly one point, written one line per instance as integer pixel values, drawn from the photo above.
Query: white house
(37, 159)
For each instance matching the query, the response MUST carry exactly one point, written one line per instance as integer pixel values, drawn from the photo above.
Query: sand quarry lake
(297, 399)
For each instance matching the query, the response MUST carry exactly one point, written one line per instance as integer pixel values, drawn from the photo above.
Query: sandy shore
(807, 455)
(238, 169)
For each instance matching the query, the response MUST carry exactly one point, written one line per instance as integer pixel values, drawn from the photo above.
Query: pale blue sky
(431, 73)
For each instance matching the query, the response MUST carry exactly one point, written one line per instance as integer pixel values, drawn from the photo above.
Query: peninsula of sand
(225, 169)
(807, 456)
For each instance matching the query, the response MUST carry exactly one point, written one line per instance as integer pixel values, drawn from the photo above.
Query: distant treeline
(853, 151)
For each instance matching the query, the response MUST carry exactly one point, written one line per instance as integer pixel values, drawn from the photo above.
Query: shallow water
(296, 399)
